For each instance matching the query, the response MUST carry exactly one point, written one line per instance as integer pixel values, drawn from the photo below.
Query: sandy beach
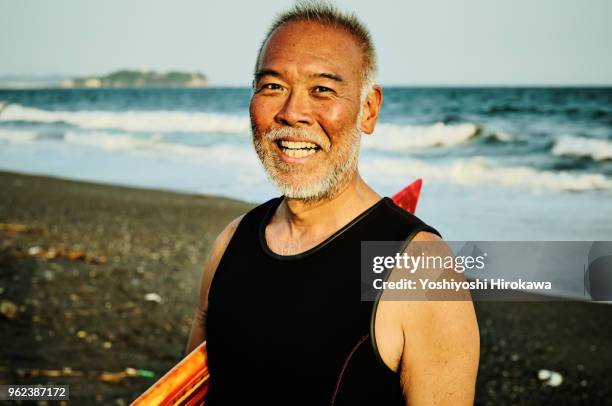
(105, 278)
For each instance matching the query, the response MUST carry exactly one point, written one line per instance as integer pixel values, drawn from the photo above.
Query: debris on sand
(126, 373)
(153, 297)
(51, 373)
(59, 252)
(12, 228)
(8, 309)
(105, 376)
(550, 378)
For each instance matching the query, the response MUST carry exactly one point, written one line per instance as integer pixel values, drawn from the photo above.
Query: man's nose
(295, 111)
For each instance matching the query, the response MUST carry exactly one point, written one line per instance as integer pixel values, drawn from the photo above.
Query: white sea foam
(502, 136)
(110, 141)
(222, 153)
(389, 137)
(149, 121)
(598, 150)
(392, 137)
(17, 136)
(479, 171)
(475, 171)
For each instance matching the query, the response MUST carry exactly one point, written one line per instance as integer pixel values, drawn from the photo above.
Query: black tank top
(293, 330)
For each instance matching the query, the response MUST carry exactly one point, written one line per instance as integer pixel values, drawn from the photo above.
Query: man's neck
(299, 225)
(355, 194)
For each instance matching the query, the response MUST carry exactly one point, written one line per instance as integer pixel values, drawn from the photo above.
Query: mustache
(297, 134)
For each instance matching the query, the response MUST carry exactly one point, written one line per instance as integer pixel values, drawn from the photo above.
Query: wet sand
(89, 315)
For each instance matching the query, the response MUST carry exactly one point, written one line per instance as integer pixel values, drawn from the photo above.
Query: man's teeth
(298, 149)
(299, 153)
(297, 145)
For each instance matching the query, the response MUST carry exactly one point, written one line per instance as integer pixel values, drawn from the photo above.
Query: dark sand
(94, 318)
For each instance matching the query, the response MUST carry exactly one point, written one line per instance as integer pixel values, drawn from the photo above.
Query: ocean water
(497, 163)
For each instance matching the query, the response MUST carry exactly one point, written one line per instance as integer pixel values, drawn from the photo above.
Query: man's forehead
(310, 43)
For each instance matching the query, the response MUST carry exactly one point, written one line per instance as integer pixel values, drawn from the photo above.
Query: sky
(429, 42)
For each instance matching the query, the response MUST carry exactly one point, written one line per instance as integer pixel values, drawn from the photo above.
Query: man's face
(305, 108)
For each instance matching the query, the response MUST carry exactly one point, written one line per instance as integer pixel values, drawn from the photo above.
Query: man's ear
(371, 109)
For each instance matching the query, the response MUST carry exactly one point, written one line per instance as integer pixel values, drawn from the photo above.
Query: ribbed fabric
(292, 330)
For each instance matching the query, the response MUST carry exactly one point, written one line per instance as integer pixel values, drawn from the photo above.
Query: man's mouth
(297, 149)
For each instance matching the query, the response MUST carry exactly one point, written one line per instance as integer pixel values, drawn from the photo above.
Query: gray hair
(327, 14)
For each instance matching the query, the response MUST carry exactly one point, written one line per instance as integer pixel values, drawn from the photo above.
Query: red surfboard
(187, 383)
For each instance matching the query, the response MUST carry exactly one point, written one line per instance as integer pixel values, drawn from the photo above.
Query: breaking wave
(582, 147)
(391, 137)
(479, 171)
(135, 121)
(388, 137)
(474, 171)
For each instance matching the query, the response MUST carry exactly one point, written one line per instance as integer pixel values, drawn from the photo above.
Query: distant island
(139, 78)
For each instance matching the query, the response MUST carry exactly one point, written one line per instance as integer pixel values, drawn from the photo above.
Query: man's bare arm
(198, 334)
(439, 361)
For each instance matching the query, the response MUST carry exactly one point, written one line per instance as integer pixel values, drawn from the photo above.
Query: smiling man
(283, 317)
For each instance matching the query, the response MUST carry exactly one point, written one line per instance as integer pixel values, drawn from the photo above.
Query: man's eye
(271, 86)
(322, 89)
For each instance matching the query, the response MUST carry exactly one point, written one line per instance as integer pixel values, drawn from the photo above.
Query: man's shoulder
(224, 237)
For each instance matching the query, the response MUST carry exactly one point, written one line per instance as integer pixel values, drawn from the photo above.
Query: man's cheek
(261, 112)
(334, 118)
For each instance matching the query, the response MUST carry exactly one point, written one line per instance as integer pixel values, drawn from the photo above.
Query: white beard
(322, 187)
